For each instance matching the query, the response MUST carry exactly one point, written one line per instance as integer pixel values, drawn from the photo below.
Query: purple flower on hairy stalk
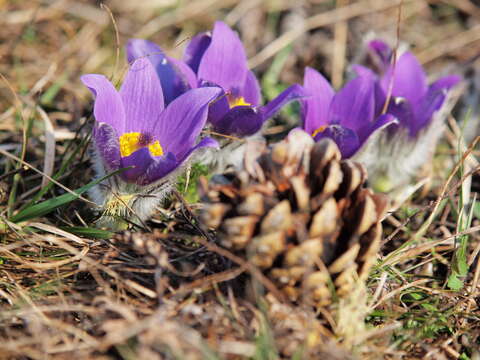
(412, 101)
(220, 59)
(347, 117)
(135, 130)
(402, 90)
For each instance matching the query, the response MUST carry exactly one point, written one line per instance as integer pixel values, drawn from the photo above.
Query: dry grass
(167, 291)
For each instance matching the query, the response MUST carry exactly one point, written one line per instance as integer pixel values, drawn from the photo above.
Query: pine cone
(302, 215)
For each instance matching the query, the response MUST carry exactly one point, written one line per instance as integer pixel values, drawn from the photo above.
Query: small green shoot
(50, 205)
(187, 183)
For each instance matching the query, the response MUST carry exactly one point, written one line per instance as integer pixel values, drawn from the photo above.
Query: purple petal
(205, 142)
(346, 139)
(180, 124)
(361, 70)
(240, 121)
(196, 49)
(404, 112)
(353, 106)
(159, 168)
(164, 165)
(380, 96)
(140, 160)
(173, 80)
(381, 122)
(381, 52)
(292, 93)
(218, 109)
(107, 144)
(187, 74)
(445, 83)
(315, 108)
(431, 103)
(142, 97)
(380, 99)
(224, 62)
(410, 81)
(251, 89)
(108, 106)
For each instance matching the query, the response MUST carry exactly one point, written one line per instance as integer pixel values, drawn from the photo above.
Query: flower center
(234, 101)
(319, 130)
(133, 141)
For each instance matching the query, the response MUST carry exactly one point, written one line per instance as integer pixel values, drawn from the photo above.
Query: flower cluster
(152, 126)
(387, 117)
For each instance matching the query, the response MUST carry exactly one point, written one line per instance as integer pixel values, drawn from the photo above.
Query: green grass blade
(63, 167)
(88, 232)
(48, 206)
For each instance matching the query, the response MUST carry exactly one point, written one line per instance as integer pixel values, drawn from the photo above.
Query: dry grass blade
(340, 48)
(49, 159)
(429, 221)
(327, 18)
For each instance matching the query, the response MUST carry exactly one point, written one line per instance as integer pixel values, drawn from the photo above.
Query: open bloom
(217, 59)
(135, 130)
(413, 101)
(347, 117)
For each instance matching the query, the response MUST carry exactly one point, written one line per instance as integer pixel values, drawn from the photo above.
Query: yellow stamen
(319, 130)
(237, 101)
(118, 205)
(155, 149)
(133, 141)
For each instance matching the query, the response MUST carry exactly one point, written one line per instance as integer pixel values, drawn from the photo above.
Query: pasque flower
(348, 117)
(401, 89)
(217, 59)
(135, 130)
(412, 101)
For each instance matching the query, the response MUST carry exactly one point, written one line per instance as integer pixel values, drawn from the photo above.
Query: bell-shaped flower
(217, 59)
(220, 59)
(347, 117)
(135, 130)
(402, 90)
(413, 101)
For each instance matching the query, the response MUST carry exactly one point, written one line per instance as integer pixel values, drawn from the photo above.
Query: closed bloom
(135, 130)
(217, 59)
(347, 117)
(402, 90)
(413, 101)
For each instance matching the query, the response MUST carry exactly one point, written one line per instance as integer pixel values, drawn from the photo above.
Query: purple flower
(413, 101)
(216, 59)
(220, 59)
(135, 129)
(347, 117)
